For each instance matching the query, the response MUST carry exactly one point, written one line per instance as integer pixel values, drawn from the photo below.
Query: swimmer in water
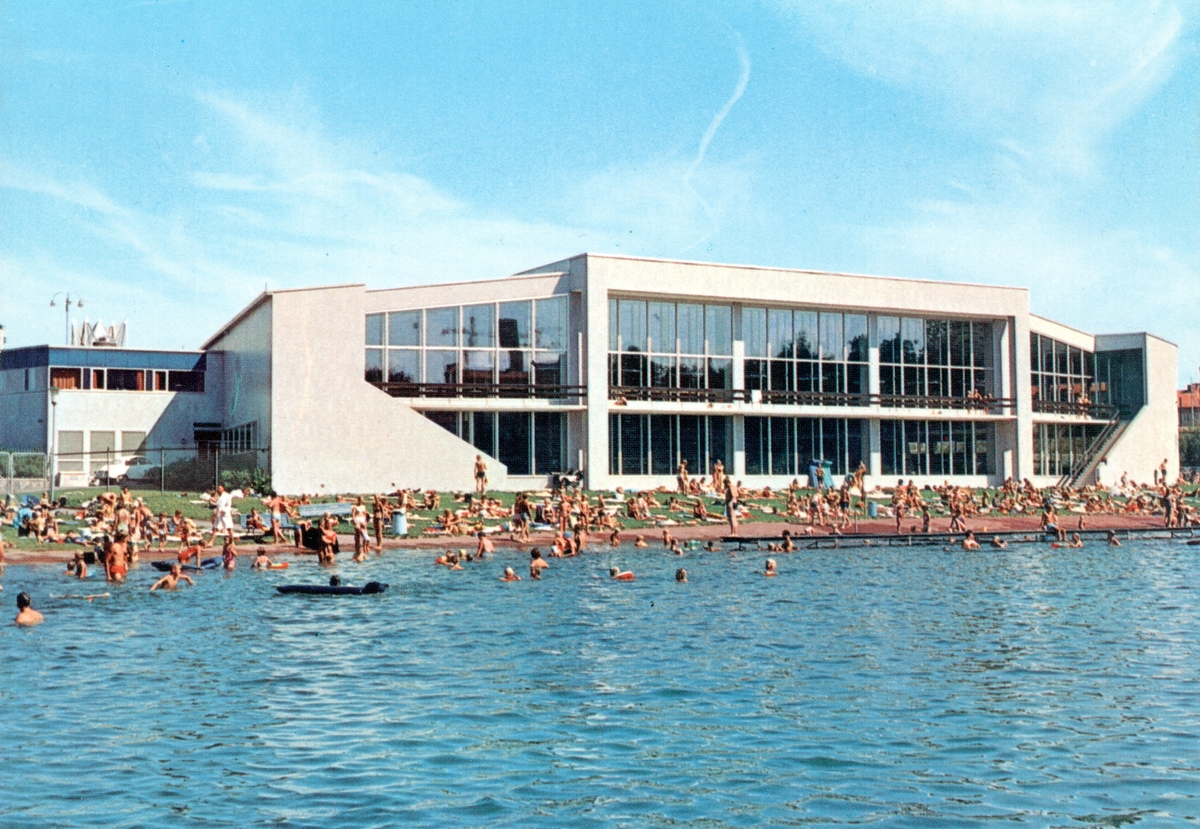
(1076, 541)
(509, 575)
(969, 543)
(1113, 541)
(485, 546)
(999, 543)
(536, 564)
(26, 615)
(229, 553)
(77, 568)
(261, 562)
(617, 574)
(681, 575)
(171, 580)
(640, 542)
(769, 568)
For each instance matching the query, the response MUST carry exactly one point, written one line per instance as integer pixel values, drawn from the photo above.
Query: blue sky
(166, 160)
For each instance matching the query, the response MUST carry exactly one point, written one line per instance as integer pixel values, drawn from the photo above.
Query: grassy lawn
(761, 510)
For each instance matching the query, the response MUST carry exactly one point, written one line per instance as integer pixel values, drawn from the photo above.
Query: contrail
(743, 79)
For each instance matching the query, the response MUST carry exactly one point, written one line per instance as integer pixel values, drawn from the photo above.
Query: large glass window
(1061, 375)
(934, 358)
(1057, 447)
(655, 444)
(518, 345)
(668, 345)
(789, 445)
(919, 447)
(811, 356)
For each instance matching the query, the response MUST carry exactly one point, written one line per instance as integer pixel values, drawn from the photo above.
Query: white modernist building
(624, 367)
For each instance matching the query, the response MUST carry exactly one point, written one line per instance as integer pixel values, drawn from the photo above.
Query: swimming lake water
(894, 687)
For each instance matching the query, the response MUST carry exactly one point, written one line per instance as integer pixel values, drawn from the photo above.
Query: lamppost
(78, 301)
(51, 461)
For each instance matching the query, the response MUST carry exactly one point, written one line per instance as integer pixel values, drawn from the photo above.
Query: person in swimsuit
(509, 575)
(480, 476)
(229, 553)
(171, 580)
(77, 568)
(261, 562)
(617, 574)
(116, 559)
(681, 575)
(731, 505)
(769, 568)
(26, 615)
(536, 563)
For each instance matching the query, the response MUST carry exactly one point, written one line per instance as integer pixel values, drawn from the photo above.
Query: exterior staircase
(1083, 471)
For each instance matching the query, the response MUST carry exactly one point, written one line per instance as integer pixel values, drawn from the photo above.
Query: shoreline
(653, 536)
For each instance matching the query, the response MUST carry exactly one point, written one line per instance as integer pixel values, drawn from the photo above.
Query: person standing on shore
(731, 505)
(222, 515)
(480, 476)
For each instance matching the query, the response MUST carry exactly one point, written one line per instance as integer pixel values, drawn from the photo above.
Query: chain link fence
(23, 472)
(160, 470)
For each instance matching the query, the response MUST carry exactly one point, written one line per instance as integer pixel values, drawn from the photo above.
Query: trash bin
(400, 523)
(872, 509)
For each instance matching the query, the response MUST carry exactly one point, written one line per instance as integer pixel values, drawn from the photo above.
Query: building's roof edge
(1061, 325)
(521, 275)
(238, 317)
(798, 270)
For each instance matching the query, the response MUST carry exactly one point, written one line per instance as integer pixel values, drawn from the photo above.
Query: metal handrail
(989, 405)
(1096, 411)
(482, 390)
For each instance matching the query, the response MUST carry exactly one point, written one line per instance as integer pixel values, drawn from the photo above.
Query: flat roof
(36, 356)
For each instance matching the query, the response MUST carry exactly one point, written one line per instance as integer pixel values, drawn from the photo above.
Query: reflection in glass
(478, 367)
(441, 327)
(374, 368)
(441, 367)
(514, 367)
(404, 328)
(718, 326)
(720, 373)
(374, 329)
(856, 338)
(662, 372)
(889, 339)
(690, 328)
(807, 335)
(549, 368)
(912, 332)
(404, 365)
(633, 325)
(779, 333)
(754, 331)
(832, 347)
(479, 328)
(551, 322)
(662, 327)
(515, 321)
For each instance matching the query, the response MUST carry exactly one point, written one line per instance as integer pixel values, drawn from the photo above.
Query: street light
(67, 309)
(53, 437)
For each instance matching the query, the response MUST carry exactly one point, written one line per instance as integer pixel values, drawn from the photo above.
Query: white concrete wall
(24, 414)
(243, 386)
(1153, 434)
(165, 417)
(334, 432)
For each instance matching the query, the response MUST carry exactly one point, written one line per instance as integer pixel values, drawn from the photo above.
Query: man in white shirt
(222, 515)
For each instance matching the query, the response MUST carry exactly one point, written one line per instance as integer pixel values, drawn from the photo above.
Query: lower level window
(932, 447)
(527, 443)
(1057, 447)
(656, 444)
(789, 445)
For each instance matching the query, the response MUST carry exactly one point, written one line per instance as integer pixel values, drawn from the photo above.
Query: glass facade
(934, 358)
(788, 445)
(517, 344)
(1061, 373)
(806, 352)
(669, 345)
(933, 447)
(655, 444)
(1058, 446)
(528, 443)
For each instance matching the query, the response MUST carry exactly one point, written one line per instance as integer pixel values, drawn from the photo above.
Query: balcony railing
(984, 405)
(1094, 411)
(569, 394)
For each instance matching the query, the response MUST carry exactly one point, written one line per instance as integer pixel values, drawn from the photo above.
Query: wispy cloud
(1049, 76)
